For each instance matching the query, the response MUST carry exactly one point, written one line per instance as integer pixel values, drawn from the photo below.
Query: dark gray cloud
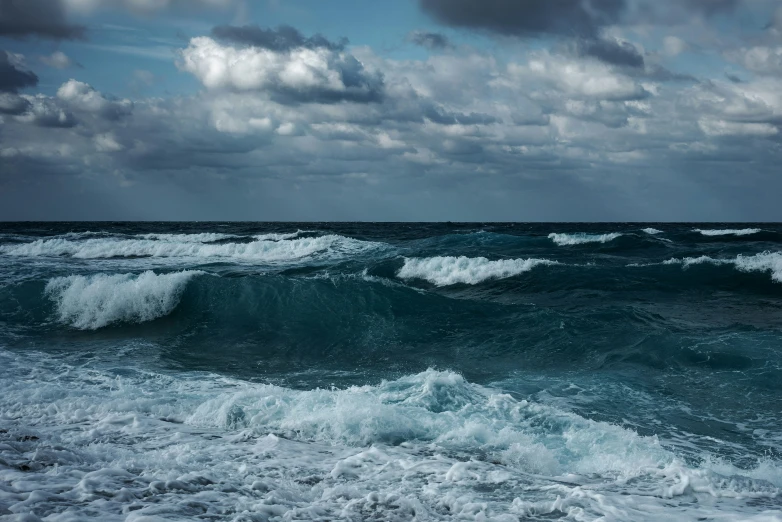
(283, 38)
(437, 114)
(527, 17)
(38, 18)
(12, 77)
(611, 51)
(13, 104)
(429, 40)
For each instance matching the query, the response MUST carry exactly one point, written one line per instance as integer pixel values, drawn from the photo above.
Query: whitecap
(728, 232)
(258, 251)
(445, 271)
(763, 262)
(652, 231)
(92, 302)
(582, 238)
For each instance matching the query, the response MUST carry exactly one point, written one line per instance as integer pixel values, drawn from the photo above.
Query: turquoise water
(289, 371)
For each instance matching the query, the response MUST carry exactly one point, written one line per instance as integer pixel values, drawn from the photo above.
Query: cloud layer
(592, 123)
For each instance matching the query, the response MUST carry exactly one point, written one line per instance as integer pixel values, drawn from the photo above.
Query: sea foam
(652, 231)
(581, 238)
(728, 232)
(92, 302)
(445, 271)
(427, 446)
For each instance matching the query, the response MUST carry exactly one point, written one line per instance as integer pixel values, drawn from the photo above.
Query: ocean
(157, 372)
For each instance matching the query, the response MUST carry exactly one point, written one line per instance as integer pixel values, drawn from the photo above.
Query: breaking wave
(581, 238)
(92, 302)
(445, 271)
(764, 262)
(728, 232)
(427, 446)
(652, 231)
(268, 248)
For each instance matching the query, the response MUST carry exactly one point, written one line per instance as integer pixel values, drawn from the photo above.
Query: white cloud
(577, 78)
(318, 74)
(57, 60)
(82, 96)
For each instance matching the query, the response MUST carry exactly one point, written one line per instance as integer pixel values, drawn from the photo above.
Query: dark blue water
(391, 371)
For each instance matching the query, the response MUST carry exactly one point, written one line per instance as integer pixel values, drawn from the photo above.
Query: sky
(410, 110)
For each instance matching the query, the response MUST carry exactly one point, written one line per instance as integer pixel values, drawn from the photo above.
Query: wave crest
(92, 302)
(764, 262)
(728, 232)
(445, 271)
(263, 249)
(581, 238)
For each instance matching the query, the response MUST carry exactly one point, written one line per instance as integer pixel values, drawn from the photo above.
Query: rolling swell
(263, 249)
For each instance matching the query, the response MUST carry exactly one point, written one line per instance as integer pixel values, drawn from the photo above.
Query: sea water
(390, 372)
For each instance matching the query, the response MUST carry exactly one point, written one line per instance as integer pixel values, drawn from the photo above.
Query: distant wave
(581, 238)
(765, 262)
(207, 237)
(260, 250)
(92, 302)
(652, 231)
(728, 232)
(445, 271)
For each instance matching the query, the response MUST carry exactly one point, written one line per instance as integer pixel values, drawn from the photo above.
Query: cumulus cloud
(46, 112)
(13, 75)
(579, 78)
(13, 104)
(283, 38)
(83, 97)
(296, 75)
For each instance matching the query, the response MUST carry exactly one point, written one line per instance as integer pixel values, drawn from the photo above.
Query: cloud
(13, 76)
(611, 51)
(298, 75)
(283, 38)
(579, 79)
(429, 40)
(57, 60)
(13, 104)
(527, 17)
(38, 18)
(762, 60)
(81, 96)
(46, 112)
(142, 6)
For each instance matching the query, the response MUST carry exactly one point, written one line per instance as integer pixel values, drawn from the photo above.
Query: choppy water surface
(252, 372)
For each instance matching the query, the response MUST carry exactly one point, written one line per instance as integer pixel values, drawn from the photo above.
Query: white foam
(581, 238)
(92, 302)
(764, 262)
(206, 237)
(430, 446)
(652, 231)
(729, 232)
(445, 271)
(258, 251)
